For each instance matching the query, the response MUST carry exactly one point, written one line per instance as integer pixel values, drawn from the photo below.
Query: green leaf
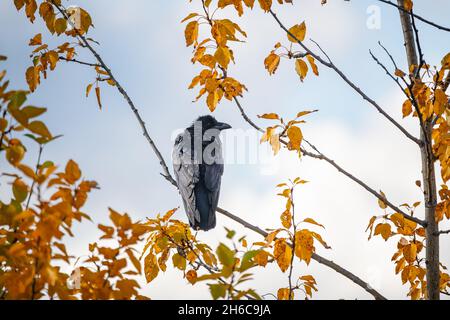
(247, 260)
(39, 128)
(33, 112)
(17, 99)
(230, 233)
(218, 290)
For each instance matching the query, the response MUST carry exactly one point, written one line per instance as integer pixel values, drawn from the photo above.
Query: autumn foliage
(47, 199)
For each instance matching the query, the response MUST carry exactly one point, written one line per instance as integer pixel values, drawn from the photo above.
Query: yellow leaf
(53, 57)
(191, 276)
(383, 229)
(97, 93)
(304, 245)
(313, 64)
(408, 4)
(151, 268)
(380, 202)
(223, 56)
(407, 108)
(46, 11)
(282, 254)
(302, 68)
(265, 4)
(275, 143)
(440, 102)
(30, 9)
(399, 73)
(286, 219)
(318, 237)
(312, 221)
(298, 32)
(271, 116)
(261, 258)
(191, 33)
(134, 260)
(271, 236)
(36, 40)
(72, 172)
(446, 61)
(272, 62)
(33, 78)
(295, 138)
(189, 16)
(27, 171)
(179, 261)
(410, 252)
(20, 190)
(283, 294)
(212, 100)
(88, 89)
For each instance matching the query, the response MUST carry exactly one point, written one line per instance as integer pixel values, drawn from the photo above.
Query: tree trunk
(428, 173)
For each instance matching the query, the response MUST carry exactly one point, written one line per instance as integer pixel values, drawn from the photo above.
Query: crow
(198, 165)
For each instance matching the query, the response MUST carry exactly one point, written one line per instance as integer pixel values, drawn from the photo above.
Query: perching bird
(198, 165)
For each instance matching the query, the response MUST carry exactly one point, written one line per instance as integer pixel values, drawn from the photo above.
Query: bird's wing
(187, 175)
(212, 179)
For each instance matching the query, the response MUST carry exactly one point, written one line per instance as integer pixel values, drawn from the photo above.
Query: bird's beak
(222, 126)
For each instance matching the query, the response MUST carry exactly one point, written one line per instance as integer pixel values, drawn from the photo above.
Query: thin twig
(431, 23)
(387, 72)
(389, 54)
(80, 62)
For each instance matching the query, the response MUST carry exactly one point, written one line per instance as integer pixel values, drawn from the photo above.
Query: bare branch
(389, 55)
(387, 72)
(332, 66)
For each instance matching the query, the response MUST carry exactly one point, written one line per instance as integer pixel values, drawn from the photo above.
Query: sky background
(143, 42)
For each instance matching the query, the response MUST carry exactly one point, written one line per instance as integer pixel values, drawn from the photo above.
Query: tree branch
(87, 45)
(387, 72)
(80, 62)
(321, 260)
(332, 66)
(320, 156)
(379, 196)
(166, 173)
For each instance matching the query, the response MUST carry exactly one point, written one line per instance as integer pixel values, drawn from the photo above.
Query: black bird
(198, 165)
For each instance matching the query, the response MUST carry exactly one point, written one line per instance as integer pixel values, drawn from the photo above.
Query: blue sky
(143, 43)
